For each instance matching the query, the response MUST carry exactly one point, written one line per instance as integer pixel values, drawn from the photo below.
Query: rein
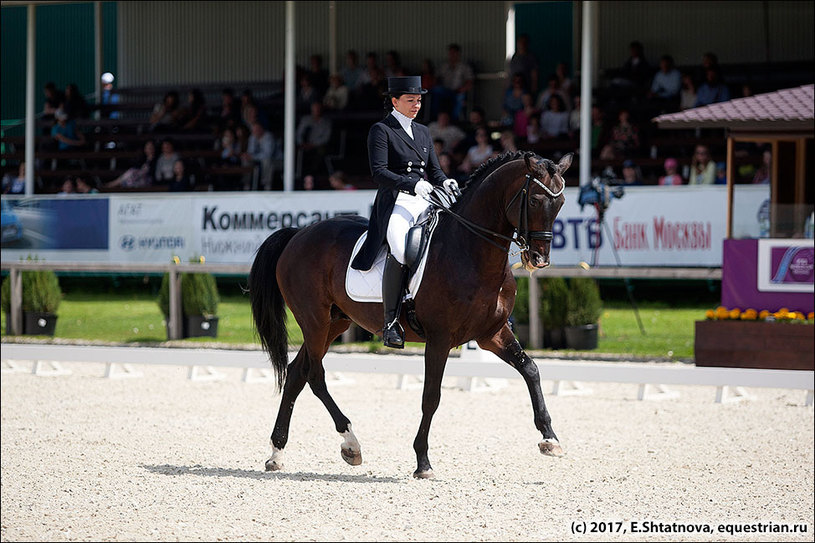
(521, 232)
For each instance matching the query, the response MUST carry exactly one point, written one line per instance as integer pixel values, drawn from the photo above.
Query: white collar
(404, 121)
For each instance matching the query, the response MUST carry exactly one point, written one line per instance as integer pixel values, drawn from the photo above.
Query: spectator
(762, 175)
(447, 166)
(625, 139)
(318, 76)
(65, 132)
(230, 115)
(550, 90)
(68, 187)
(166, 114)
(438, 146)
(229, 147)
(477, 120)
(338, 181)
(481, 152)
(371, 65)
(166, 162)
(507, 142)
(307, 95)
(251, 112)
(180, 181)
(687, 95)
(564, 82)
(513, 96)
(636, 69)
(525, 63)
(554, 119)
(448, 133)
(194, 116)
(666, 84)
(428, 74)
(393, 65)
(313, 135)
(522, 117)
(371, 92)
(574, 118)
(74, 104)
(597, 127)
(455, 80)
(53, 98)
(713, 90)
(139, 176)
(721, 174)
(533, 130)
(631, 173)
(709, 60)
(336, 97)
(672, 175)
(109, 97)
(85, 184)
(260, 153)
(15, 185)
(702, 168)
(352, 72)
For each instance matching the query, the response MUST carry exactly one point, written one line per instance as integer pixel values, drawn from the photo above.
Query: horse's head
(536, 205)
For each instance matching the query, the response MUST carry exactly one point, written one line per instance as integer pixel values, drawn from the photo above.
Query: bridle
(521, 235)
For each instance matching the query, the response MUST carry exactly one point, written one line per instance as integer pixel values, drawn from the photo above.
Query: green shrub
(585, 304)
(554, 302)
(520, 312)
(41, 292)
(199, 295)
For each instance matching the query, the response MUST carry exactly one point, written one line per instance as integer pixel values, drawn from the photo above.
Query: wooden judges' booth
(775, 269)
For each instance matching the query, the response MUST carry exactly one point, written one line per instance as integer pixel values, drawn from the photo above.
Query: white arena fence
(471, 365)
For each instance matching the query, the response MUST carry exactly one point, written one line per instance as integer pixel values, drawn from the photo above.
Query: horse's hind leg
(350, 449)
(507, 348)
(295, 381)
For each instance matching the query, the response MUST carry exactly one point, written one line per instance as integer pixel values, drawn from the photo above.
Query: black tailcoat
(397, 163)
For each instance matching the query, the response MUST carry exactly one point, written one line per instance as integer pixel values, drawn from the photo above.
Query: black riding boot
(392, 283)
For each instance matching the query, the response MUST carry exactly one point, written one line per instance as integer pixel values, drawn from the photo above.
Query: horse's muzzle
(533, 260)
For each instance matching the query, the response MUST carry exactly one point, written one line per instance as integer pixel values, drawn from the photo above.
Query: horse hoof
(353, 458)
(428, 474)
(273, 465)
(550, 448)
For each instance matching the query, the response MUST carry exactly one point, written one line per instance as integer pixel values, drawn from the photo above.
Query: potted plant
(553, 308)
(199, 303)
(583, 314)
(41, 298)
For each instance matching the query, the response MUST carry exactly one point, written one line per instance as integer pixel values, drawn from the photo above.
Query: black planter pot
(554, 338)
(36, 323)
(200, 326)
(581, 338)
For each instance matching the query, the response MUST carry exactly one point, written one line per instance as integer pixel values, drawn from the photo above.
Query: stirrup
(393, 335)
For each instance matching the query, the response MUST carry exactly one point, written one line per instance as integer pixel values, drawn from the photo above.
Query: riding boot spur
(393, 281)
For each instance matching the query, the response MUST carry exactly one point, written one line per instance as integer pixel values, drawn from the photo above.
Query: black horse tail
(268, 305)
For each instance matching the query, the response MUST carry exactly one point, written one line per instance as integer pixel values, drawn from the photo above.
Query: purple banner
(741, 270)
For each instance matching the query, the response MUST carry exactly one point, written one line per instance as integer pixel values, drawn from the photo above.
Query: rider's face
(408, 104)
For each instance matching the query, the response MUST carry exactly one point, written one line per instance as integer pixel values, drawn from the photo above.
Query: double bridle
(521, 236)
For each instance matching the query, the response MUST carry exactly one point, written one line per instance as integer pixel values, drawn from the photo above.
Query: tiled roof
(787, 109)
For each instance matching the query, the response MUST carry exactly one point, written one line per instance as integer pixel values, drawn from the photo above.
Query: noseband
(521, 233)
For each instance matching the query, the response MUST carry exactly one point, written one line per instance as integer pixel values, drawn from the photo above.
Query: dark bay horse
(467, 293)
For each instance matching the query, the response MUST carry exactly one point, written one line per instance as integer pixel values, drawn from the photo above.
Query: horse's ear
(565, 162)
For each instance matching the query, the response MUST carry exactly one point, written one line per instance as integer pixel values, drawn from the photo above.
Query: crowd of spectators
(246, 134)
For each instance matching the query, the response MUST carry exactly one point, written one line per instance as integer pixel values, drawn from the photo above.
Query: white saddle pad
(366, 286)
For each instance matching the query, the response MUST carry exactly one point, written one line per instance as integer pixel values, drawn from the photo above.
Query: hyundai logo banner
(649, 226)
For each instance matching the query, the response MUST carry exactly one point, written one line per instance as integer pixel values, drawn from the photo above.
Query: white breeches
(406, 212)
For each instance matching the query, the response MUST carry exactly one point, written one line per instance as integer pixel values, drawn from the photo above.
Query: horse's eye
(535, 201)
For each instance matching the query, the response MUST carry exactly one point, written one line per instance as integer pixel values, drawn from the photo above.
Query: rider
(404, 164)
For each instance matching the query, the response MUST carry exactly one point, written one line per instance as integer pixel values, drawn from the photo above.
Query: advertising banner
(647, 226)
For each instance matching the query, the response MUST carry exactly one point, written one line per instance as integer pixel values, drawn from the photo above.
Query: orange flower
(710, 314)
(763, 314)
(735, 313)
(811, 316)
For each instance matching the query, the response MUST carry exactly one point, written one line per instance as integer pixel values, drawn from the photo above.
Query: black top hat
(405, 85)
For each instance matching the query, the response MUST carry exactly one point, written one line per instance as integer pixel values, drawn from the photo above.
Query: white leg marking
(350, 440)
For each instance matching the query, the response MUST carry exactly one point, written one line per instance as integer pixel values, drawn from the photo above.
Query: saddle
(366, 286)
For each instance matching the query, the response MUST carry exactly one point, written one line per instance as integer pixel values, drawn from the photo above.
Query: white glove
(451, 186)
(423, 189)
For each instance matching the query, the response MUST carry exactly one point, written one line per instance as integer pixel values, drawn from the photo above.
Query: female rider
(404, 164)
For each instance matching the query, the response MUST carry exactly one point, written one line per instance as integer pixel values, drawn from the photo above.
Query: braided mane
(484, 171)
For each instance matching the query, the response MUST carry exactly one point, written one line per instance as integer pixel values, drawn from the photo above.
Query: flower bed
(765, 344)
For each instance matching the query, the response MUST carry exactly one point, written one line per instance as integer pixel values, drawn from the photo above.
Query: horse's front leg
(435, 358)
(507, 348)
(295, 381)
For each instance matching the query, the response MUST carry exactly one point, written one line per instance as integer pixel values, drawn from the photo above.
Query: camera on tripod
(601, 190)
